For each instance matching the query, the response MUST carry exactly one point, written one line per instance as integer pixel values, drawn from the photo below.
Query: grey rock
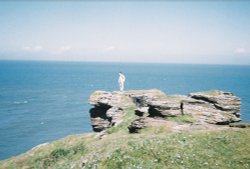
(214, 107)
(141, 111)
(169, 106)
(146, 122)
(99, 124)
(211, 107)
(224, 101)
(164, 109)
(115, 114)
(108, 109)
(107, 99)
(142, 97)
(137, 125)
(109, 106)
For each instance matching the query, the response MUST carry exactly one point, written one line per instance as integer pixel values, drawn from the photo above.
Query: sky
(196, 32)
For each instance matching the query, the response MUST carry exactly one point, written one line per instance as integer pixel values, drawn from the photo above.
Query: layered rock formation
(108, 109)
(152, 106)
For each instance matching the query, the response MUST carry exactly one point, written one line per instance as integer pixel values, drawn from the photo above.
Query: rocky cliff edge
(154, 107)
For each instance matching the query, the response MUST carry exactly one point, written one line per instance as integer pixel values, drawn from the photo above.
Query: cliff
(149, 129)
(153, 106)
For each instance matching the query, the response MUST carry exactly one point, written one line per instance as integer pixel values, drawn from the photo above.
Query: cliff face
(154, 106)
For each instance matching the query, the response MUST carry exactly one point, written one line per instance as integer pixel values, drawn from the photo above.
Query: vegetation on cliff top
(155, 148)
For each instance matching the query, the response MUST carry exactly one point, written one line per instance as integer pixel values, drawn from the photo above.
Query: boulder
(214, 107)
(224, 101)
(137, 125)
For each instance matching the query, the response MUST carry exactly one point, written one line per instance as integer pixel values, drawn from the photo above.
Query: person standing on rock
(121, 81)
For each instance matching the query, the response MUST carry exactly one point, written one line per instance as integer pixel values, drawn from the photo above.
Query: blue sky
(207, 32)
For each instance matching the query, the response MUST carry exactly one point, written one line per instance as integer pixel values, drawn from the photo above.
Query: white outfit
(121, 81)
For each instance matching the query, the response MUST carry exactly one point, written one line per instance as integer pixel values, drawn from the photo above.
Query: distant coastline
(125, 62)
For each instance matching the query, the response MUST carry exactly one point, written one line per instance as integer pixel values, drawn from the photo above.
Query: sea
(42, 101)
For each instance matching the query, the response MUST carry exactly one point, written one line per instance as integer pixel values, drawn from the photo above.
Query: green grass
(204, 149)
(217, 149)
(58, 154)
(182, 119)
(240, 125)
(211, 92)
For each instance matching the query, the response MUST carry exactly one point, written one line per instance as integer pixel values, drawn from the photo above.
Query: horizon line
(119, 62)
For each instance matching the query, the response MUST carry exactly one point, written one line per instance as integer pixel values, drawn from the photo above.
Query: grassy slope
(152, 148)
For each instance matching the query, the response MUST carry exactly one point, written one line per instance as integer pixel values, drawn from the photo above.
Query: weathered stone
(141, 111)
(136, 125)
(142, 97)
(102, 98)
(146, 122)
(224, 101)
(168, 106)
(164, 109)
(99, 124)
(108, 110)
(109, 106)
(115, 115)
(212, 107)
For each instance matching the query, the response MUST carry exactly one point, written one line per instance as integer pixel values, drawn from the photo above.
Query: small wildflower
(206, 163)
(178, 156)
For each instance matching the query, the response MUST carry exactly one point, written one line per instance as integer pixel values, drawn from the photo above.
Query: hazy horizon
(179, 32)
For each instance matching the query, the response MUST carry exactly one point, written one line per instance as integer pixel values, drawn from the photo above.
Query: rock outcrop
(109, 106)
(211, 107)
(214, 107)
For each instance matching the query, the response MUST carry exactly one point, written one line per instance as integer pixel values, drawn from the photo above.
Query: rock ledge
(153, 106)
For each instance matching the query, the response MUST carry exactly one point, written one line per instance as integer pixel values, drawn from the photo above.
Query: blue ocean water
(45, 101)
